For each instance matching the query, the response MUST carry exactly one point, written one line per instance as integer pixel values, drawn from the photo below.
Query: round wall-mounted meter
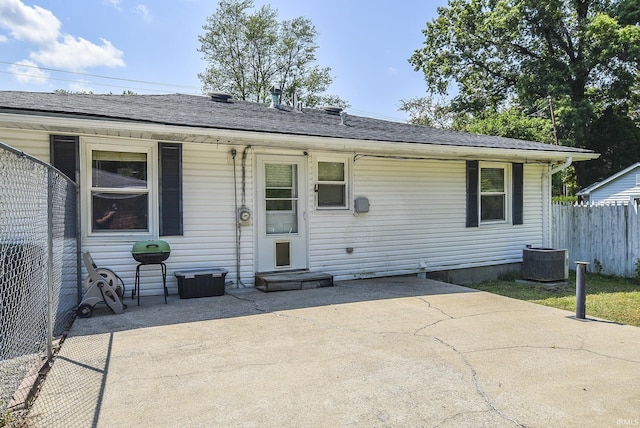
(244, 214)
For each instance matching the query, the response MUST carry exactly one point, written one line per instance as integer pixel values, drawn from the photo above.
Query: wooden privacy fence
(606, 236)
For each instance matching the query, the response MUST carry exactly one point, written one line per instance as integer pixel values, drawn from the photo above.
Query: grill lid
(153, 251)
(152, 246)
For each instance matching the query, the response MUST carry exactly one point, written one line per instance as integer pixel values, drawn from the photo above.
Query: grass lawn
(608, 297)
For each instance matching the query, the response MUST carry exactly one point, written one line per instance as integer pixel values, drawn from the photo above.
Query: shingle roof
(202, 112)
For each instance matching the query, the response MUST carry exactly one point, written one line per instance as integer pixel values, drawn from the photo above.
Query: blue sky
(152, 47)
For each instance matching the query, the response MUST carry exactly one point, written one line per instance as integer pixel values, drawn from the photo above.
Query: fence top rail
(593, 204)
(22, 154)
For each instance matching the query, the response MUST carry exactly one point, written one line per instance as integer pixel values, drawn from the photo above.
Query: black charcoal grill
(153, 252)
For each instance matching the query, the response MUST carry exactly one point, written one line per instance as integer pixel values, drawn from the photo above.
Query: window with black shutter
(170, 173)
(517, 172)
(472, 193)
(64, 154)
(488, 193)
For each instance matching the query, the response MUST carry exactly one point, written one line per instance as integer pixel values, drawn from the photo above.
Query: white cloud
(144, 12)
(28, 72)
(80, 86)
(33, 24)
(53, 48)
(114, 3)
(392, 70)
(3, 38)
(76, 54)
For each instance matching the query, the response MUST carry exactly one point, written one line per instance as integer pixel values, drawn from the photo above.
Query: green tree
(627, 12)
(510, 122)
(617, 137)
(428, 112)
(499, 53)
(68, 92)
(248, 53)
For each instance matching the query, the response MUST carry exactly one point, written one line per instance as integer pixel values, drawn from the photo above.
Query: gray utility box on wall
(200, 282)
(545, 264)
(361, 205)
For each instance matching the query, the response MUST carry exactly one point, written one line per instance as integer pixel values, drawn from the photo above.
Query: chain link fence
(39, 286)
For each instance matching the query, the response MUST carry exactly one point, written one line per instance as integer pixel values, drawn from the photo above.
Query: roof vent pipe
(343, 118)
(275, 97)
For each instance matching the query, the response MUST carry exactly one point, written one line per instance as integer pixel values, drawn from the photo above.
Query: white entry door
(281, 213)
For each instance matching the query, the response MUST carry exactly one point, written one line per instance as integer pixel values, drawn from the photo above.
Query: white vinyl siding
(209, 217)
(32, 142)
(209, 224)
(418, 214)
(621, 190)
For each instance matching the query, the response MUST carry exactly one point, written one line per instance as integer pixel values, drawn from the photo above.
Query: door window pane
(281, 198)
(278, 175)
(279, 205)
(279, 193)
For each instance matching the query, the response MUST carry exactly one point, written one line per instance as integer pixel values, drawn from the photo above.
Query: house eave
(168, 132)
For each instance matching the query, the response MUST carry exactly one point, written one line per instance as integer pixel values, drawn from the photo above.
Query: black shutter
(517, 170)
(64, 154)
(472, 193)
(170, 171)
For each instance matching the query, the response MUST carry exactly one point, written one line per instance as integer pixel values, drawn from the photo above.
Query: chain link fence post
(49, 264)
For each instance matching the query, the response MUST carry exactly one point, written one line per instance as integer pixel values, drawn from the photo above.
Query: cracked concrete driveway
(391, 352)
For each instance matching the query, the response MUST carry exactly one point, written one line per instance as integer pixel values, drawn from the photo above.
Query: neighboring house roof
(597, 185)
(202, 112)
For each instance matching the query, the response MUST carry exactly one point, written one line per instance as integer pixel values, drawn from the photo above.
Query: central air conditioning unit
(545, 264)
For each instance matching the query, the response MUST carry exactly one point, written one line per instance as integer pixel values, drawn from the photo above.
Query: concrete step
(295, 280)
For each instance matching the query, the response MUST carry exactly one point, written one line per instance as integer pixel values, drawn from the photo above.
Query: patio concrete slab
(400, 351)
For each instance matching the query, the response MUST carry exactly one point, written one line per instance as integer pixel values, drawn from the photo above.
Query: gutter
(567, 163)
(167, 132)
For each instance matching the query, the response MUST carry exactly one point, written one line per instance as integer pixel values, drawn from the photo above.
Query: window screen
(119, 191)
(332, 186)
(492, 194)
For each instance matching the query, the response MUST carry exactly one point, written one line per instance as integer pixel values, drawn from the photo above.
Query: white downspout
(565, 165)
(546, 183)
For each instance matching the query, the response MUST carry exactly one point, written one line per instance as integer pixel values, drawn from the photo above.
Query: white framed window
(332, 183)
(120, 188)
(493, 192)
